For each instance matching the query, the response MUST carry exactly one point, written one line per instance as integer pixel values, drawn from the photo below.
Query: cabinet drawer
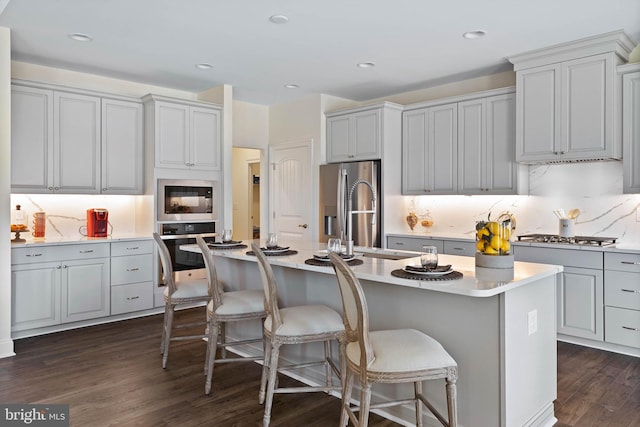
(413, 243)
(131, 269)
(30, 255)
(622, 262)
(622, 326)
(452, 247)
(566, 257)
(134, 247)
(132, 297)
(622, 289)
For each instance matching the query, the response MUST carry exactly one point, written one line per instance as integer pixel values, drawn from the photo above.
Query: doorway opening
(246, 193)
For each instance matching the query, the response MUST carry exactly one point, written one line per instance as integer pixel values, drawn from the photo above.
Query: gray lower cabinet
(58, 284)
(622, 299)
(444, 246)
(580, 292)
(131, 276)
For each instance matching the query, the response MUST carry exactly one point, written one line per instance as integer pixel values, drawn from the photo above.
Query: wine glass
(429, 257)
(272, 241)
(334, 245)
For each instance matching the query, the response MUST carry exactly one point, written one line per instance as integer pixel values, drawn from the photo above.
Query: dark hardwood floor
(111, 375)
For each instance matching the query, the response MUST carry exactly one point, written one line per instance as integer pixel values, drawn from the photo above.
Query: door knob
(303, 225)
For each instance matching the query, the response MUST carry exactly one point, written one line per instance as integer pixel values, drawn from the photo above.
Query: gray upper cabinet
(464, 146)
(430, 150)
(185, 134)
(72, 142)
(631, 127)
(566, 100)
(358, 133)
(486, 151)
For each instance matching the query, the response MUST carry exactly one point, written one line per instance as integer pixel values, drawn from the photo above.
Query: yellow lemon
(506, 246)
(480, 245)
(490, 251)
(496, 243)
(493, 227)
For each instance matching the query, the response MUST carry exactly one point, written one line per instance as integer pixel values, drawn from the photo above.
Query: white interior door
(291, 196)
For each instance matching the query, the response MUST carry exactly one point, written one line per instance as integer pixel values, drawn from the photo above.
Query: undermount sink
(385, 254)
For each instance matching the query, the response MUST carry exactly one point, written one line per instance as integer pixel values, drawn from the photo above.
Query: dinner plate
(326, 257)
(439, 271)
(226, 244)
(275, 250)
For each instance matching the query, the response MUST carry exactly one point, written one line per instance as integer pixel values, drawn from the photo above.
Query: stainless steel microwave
(186, 200)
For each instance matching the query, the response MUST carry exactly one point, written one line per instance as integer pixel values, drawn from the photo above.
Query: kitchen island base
(504, 344)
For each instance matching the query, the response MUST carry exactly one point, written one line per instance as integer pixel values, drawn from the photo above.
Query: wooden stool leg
(417, 386)
(273, 373)
(167, 336)
(365, 402)
(212, 345)
(265, 370)
(347, 388)
(164, 327)
(452, 402)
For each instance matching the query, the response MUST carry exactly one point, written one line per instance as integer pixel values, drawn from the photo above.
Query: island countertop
(476, 281)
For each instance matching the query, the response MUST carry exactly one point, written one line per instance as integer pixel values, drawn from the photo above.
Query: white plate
(275, 251)
(325, 258)
(225, 245)
(428, 273)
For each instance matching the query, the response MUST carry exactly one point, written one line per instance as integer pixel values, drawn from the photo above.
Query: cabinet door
(204, 150)
(85, 289)
(414, 151)
(76, 154)
(587, 107)
(501, 169)
(122, 147)
(35, 293)
(442, 151)
(172, 135)
(31, 140)
(338, 139)
(366, 128)
(538, 115)
(473, 159)
(580, 303)
(631, 132)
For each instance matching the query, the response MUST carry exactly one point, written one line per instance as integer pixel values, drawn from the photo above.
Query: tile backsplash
(594, 188)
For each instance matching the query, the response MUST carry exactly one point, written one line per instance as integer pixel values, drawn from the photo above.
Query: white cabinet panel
(580, 303)
(76, 139)
(205, 138)
(131, 247)
(131, 297)
(122, 147)
(85, 289)
(35, 292)
(631, 131)
(131, 269)
(623, 326)
(457, 247)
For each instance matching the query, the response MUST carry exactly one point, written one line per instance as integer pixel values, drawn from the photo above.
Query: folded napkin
(419, 268)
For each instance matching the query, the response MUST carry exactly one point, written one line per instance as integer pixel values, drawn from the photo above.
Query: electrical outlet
(638, 214)
(532, 320)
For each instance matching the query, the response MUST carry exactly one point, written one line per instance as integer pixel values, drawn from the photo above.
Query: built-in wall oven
(186, 200)
(185, 264)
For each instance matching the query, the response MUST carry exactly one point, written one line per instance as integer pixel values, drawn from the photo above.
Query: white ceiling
(415, 44)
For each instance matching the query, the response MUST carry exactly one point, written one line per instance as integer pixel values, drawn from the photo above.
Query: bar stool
(294, 325)
(178, 293)
(392, 356)
(224, 307)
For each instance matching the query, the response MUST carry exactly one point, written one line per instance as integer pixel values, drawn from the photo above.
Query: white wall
(6, 344)
(242, 200)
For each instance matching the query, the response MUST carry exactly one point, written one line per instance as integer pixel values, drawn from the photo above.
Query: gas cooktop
(576, 240)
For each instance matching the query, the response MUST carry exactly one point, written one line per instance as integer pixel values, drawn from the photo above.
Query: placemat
(312, 261)
(223, 248)
(403, 274)
(289, 252)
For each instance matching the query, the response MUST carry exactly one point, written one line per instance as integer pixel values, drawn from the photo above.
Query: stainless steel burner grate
(576, 240)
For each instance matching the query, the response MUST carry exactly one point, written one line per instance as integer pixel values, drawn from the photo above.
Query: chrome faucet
(350, 212)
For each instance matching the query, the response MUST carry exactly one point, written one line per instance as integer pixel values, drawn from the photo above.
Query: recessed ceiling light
(279, 19)
(366, 64)
(204, 66)
(291, 86)
(79, 37)
(474, 34)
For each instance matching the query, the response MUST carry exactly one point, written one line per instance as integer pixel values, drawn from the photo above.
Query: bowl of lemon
(493, 242)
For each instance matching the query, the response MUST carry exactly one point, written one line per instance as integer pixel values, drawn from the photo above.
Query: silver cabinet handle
(458, 249)
(133, 248)
(399, 244)
(630, 262)
(33, 255)
(132, 298)
(631, 329)
(133, 269)
(631, 291)
(64, 266)
(303, 225)
(88, 251)
(58, 267)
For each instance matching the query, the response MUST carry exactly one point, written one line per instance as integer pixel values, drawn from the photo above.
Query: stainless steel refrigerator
(336, 182)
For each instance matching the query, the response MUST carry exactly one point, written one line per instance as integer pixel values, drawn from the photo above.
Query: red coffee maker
(97, 222)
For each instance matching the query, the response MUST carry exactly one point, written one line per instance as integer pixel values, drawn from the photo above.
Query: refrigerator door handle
(341, 205)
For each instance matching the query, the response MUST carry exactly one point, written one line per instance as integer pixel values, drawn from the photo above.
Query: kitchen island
(500, 330)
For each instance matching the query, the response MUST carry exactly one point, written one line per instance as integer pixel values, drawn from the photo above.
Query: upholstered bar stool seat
(225, 307)
(295, 325)
(388, 356)
(178, 293)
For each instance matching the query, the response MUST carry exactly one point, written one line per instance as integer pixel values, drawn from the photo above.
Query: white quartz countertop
(71, 240)
(476, 282)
